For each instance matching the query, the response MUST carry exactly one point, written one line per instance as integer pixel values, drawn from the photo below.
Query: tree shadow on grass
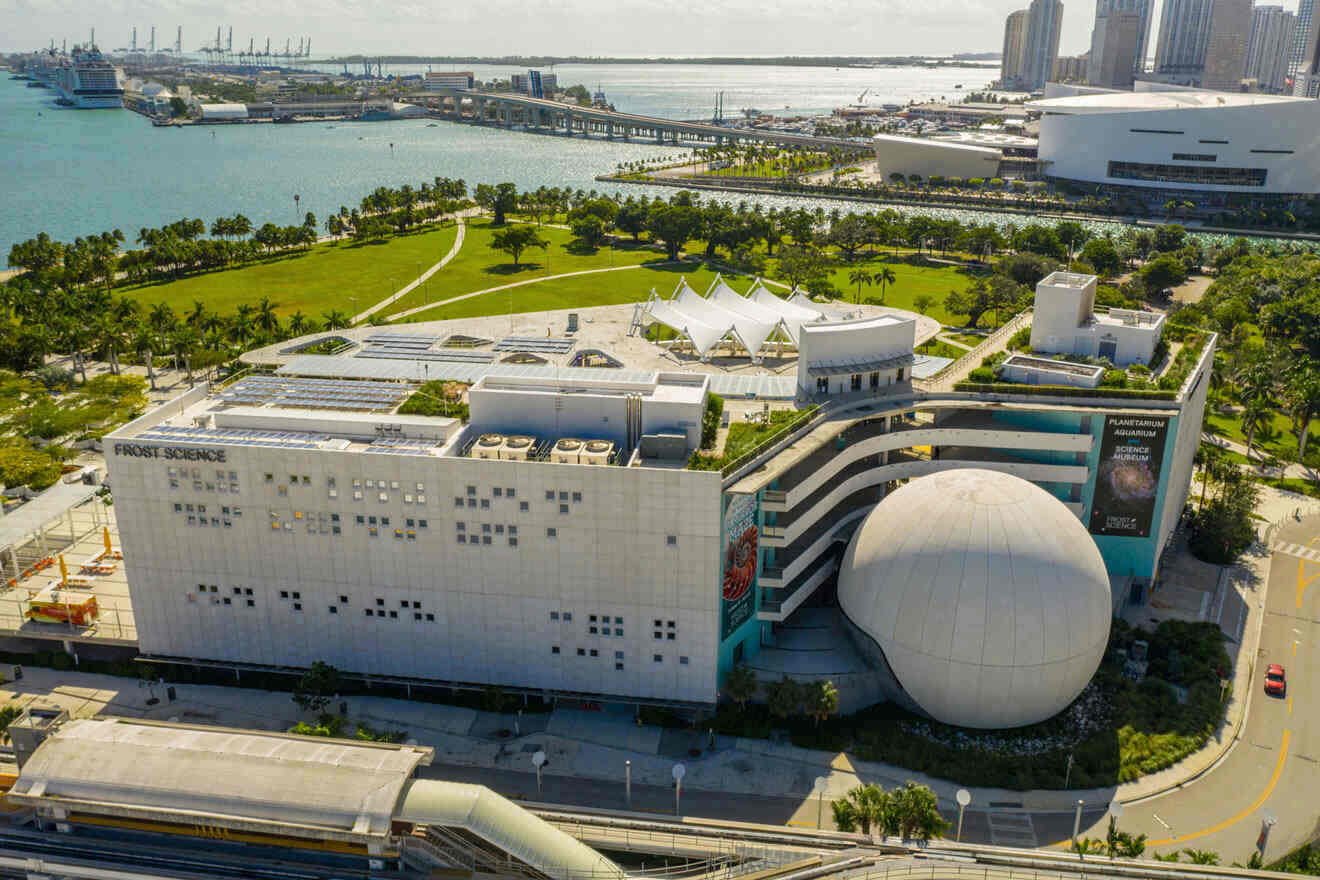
(509, 269)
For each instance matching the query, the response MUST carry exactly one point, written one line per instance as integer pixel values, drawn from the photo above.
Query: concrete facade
(1184, 34)
(1269, 48)
(1114, 47)
(1065, 322)
(1226, 46)
(1012, 65)
(895, 154)
(1045, 18)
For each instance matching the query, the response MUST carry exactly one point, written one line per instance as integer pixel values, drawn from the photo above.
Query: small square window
(568, 615)
(472, 490)
(384, 520)
(499, 529)
(330, 481)
(549, 495)
(485, 504)
(618, 655)
(671, 540)
(554, 649)
(513, 542)
(270, 478)
(472, 502)
(659, 635)
(380, 603)
(430, 618)
(591, 618)
(618, 620)
(333, 529)
(297, 595)
(522, 506)
(497, 492)
(563, 508)
(461, 538)
(658, 658)
(307, 481)
(421, 487)
(509, 492)
(618, 667)
(297, 606)
(460, 526)
(618, 632)
(360, 519)
(357, 483)
(682, 661)
(582, 652)
(284, 594)
(371, 520)
(563, 496)
(383, 496)
(380, 612)
(552, 533)
(485, 527)
(671, 637)
(577, 497)
(458, 502)
(201, 588)
(238, 591)
(293, 479)
(248, 591)
(403, 603)
(513, 530)
(595, 653)
(554, 615)
(659, 623)
(410, 523)
(178, 508)
(357, 494)
(485, 539)
(394, 615)
(670, 624)
(592, 630)
(343, 599)
(227, 601)
(371, 484)
(421, 524)
(394, 484)
(251, 604)
(334, 609)
(417, 615)
(366, 611)
(604, 630)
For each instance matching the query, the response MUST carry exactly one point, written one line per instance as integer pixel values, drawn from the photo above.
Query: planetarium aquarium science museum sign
(1127, 481)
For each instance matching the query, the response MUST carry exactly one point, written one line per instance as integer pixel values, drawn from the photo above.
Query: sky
(618, 28)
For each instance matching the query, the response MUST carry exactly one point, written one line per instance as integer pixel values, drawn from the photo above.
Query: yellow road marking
(1256, 805)
(1303, 582)
(1290, 705)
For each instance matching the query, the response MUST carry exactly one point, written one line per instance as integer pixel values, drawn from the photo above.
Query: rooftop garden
(438, 398)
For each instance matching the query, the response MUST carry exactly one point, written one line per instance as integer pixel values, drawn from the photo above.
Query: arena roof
(1138, 102)
(305, 786)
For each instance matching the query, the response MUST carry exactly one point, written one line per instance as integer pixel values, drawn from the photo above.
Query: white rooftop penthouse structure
(861, 355)
(1066, 322)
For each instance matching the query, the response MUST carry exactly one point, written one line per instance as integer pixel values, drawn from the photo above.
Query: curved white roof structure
(1183, 140)
(751, 320)
(508, 826)
(986, 595)
(299, 786)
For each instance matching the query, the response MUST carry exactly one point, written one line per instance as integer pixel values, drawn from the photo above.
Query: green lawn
(940, 348)
(912, 281)
(478, 266)
(344, 276)
(583, 291)
(1278, 440)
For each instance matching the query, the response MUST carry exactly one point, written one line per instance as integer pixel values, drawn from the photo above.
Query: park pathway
(411, 286)
(1292, 470)
(944, 337)
(409, 312)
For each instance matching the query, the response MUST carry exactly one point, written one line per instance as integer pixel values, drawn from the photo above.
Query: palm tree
(864, 806)
(266, 318)
(860, 277)
(1256, 388)
(334, 319)
(821, 699)
(1202, 856)
(884, 276)
(297, 323)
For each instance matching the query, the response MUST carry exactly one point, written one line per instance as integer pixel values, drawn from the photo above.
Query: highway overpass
(537, 114)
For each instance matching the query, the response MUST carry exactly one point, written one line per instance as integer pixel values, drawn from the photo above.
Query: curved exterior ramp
(502, 823)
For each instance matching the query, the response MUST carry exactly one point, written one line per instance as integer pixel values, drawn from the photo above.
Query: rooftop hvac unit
(597, 452)
(518, 448)
(567, 451)
(488, 446)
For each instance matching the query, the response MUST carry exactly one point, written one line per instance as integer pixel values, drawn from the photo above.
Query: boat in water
(87, 81)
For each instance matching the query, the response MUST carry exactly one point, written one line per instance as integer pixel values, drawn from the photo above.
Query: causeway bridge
(511, 110)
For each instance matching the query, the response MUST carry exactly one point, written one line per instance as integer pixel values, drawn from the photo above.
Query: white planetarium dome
(986, 595)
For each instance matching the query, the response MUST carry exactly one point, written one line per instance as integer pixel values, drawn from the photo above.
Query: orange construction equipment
(56, 605)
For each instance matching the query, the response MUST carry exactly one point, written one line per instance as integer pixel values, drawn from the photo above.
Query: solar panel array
(401, 446)
(463, 355)
(538, 344)
(416, 340)
(234, 436)
(315, 393)
(727, 385)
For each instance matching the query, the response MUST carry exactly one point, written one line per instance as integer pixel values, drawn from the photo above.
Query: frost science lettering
(171, 453)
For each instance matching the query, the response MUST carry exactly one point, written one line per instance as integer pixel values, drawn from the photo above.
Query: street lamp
(538, 759)
(678, 772)
(627, 783)
(963, 797)
(819, 788)
(1077, 827)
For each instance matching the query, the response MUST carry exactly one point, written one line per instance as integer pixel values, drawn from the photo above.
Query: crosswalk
(1299, 550)
(1011, 829)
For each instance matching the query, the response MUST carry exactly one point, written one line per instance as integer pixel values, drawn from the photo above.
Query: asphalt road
(1275, 766)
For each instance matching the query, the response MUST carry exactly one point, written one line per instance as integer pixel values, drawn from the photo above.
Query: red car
(1275, 683)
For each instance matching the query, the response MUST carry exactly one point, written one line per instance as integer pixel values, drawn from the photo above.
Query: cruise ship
(87, 81)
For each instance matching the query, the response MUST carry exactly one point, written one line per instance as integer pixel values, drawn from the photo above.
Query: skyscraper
(1301, 30)
(1269, 49)
(1044, 17)
(1306, 80)
(1142, 8)
(1015, 45)
(1114, 40)
(1226, 46)
(1184, 34)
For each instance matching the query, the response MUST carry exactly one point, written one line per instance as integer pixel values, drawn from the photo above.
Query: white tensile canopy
(753, 321)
